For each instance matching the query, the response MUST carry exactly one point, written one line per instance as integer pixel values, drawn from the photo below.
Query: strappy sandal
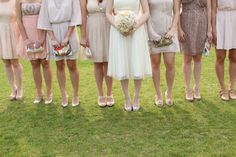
(224, 95)
(158, 102)
(232, 94)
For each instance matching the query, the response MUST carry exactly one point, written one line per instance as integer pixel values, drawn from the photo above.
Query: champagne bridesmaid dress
(159, 24)
(8, 30)
(98, 30)
(129, 56)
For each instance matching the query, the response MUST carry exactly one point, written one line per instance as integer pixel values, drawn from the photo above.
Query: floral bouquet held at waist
(125, 21)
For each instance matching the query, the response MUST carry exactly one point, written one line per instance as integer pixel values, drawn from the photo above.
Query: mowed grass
(200, 129)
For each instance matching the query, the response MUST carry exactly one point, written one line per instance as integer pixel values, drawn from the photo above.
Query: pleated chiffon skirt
(129, 56)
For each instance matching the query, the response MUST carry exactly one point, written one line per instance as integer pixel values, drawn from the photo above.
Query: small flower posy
(125, 21)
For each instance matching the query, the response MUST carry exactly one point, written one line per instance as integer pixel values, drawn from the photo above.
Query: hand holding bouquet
(125, 22)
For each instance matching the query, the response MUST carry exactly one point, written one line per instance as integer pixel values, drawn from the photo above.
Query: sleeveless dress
(57, 16)
(8, 31)
(98, 30)
(226, 24)
(129, 56)
(193, 20)
(159, 24)
(30, 12)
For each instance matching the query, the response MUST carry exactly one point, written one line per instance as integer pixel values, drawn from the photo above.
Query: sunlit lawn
(204, 128)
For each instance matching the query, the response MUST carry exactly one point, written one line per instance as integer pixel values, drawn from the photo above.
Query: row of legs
(14, 74)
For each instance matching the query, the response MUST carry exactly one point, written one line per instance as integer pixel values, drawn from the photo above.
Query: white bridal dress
(129, 56)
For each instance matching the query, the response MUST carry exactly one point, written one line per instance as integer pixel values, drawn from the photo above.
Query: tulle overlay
(129, 56)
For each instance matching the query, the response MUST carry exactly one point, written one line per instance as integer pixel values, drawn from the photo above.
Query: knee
(232, 59)
(15, 64)
(155, 65)
(46, 64)
(7, 64)
(35, 65)
(170, 66)
(220, 59)
(60, 66)
(72, 67)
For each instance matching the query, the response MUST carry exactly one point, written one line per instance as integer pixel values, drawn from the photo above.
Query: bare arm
(181, 33)
(145, 15)
(83, 42)
(109, 12)
(209, 19)
(20, 22)
(213, 17)
(176, 11)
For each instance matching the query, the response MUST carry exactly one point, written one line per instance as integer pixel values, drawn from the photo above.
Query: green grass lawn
(199, 129)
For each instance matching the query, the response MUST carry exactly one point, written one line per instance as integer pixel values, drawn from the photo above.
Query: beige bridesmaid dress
(8, 30)
(98, 30)
(159, 23)
(58, 16)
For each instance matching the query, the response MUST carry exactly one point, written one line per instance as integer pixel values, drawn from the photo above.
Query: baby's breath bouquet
(125, 21)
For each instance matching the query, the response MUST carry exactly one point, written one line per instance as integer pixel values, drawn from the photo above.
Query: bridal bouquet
(125, 21)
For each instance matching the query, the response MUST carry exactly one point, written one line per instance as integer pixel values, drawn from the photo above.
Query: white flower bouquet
(125, 21)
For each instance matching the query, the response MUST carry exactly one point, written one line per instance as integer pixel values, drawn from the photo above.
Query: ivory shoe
(169, 101)
(102, 101)
(128, 108)
(38, 99)
(49, 99)
(158, 102)
(110, 101)
(75, 101)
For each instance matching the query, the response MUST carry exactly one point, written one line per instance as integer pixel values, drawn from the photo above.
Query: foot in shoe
(75, 101)
(38, 99)
(232, 94)
(110, 101)
(102, 101)
(169, 100)
(224, 95)
(136, 105)
(158, 101)
(19, 94)
(128, 107)
(64, 102)
(49, 99)
(197, 94)
(189, 95)
(13, 95)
